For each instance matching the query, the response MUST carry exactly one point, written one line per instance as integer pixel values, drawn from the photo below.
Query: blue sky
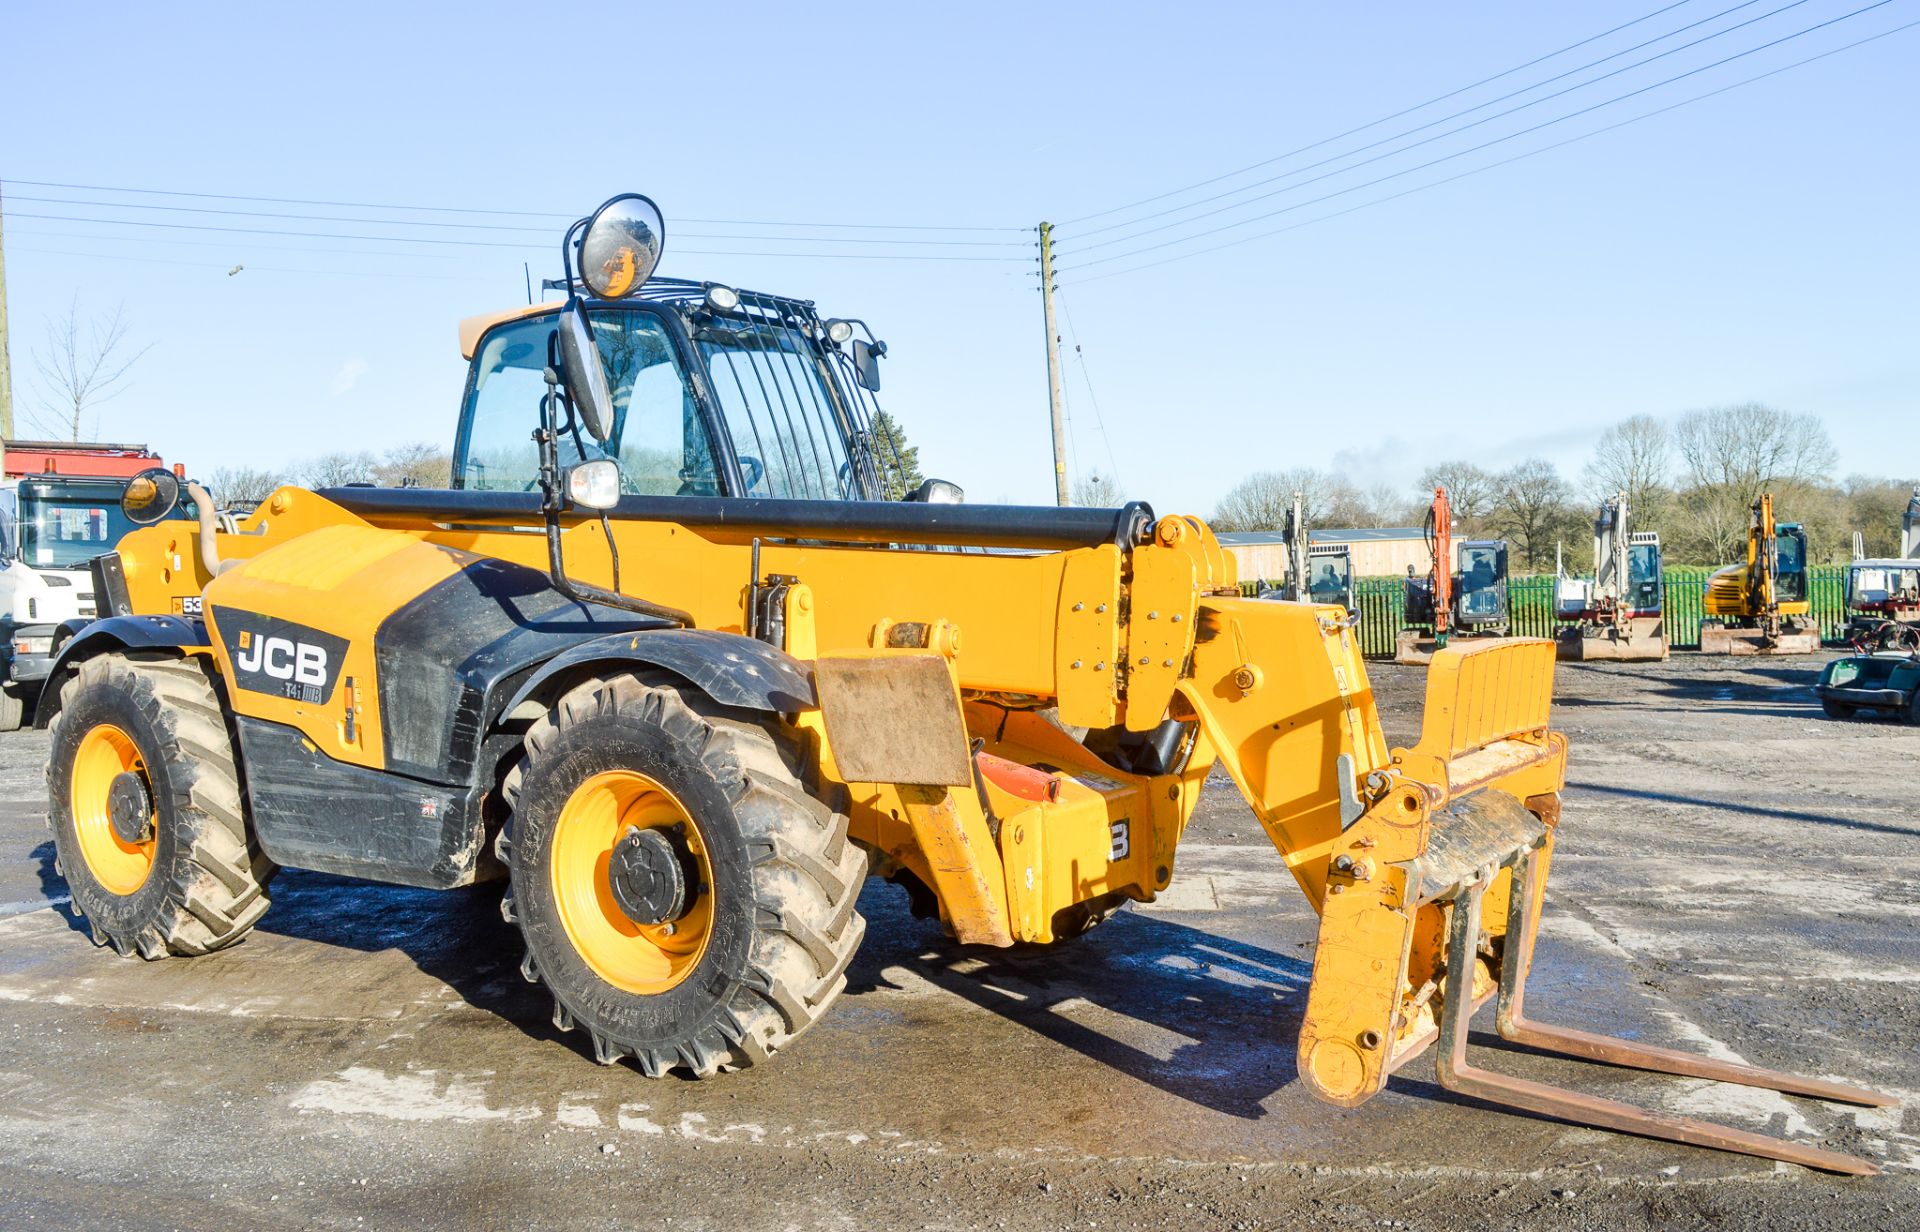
(1756, 245)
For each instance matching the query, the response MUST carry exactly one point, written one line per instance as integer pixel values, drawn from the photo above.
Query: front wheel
(681, 895)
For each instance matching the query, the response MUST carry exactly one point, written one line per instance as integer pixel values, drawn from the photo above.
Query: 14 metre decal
(279, 657)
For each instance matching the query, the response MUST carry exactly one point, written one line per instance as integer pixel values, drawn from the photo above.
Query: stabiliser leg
(1459, 1076)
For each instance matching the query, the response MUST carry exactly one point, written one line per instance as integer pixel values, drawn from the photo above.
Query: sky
(1758, 245)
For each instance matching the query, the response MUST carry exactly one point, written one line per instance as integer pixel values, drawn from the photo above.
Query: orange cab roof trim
(472, 327)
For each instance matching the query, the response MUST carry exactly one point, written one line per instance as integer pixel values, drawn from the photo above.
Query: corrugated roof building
(1377, 551)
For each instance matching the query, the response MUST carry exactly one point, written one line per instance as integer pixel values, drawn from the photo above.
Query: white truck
(59, 508)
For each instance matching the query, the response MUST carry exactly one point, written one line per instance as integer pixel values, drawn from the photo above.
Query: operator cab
(1790, 562)
(1480, 589)
(712, 392)
(1330, 577)
(1643, 595)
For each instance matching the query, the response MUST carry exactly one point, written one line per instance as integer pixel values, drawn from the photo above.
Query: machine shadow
(1206, 1018)
(54, 887)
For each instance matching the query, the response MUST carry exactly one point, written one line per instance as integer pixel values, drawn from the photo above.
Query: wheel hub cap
(648, 877)
(130, 808)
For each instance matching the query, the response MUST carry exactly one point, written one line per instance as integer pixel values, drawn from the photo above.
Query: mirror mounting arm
(553, 503)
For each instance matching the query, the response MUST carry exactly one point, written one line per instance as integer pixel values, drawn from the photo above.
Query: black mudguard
(731, 669)
(78, 640)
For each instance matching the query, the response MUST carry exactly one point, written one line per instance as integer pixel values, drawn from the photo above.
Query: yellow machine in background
(1762, 606)
(686, 790)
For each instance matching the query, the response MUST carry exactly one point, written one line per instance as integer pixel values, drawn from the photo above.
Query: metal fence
(1382, 603)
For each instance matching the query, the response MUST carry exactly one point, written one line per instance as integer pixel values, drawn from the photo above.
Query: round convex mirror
(150, 496)
(622, 245)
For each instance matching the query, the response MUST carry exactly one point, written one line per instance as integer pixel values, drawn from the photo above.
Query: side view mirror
(866, 362)
(584, 374)
(150, 496)
(938, 492)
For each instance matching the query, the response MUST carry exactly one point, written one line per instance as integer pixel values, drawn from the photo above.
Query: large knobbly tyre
(143, 798)
(682, 897)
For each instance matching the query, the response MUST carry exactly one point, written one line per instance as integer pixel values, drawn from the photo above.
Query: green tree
(897, 461)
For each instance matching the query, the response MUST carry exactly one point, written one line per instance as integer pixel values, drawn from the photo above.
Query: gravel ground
(1736, 874)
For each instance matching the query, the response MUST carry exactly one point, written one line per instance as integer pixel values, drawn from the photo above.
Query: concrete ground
(1736, 875)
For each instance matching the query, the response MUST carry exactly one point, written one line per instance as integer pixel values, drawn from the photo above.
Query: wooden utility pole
(6, 367)
(1054, 391)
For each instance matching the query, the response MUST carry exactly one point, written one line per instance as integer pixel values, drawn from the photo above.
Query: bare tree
(85, 364)
(1096, 491)
(1731, 454)
(1634, 456)
(1262, 499)
(416, 465)
(1531, 510)
(1470, 490)
(333, 470)
(243, 484)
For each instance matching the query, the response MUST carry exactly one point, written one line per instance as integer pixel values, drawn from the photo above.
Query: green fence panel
(1382, 602)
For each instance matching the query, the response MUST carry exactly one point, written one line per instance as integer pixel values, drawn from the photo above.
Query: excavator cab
(1480, 588)
(1790, 562)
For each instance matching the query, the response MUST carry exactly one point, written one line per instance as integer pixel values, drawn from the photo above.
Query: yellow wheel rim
(647, 959)
(105, 753)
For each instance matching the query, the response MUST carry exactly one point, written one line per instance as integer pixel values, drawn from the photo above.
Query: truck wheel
(1836, 710)
(143, 798)
(12, 709)
(682, 897)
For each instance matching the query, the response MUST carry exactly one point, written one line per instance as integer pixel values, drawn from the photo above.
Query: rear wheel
(1836, 710)
(143, 798)
(682, 897)
(13, 709)
(1913, 707)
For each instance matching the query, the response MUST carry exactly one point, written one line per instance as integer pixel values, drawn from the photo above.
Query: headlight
(594, 485)
(839, 332)
(722, 299)
(33, 645)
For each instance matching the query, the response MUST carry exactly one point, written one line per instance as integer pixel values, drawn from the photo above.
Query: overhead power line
(454, 209)
(1405, 111)
(478, 226)
(477, 243)
(1414, 145)
(1660, 111)
(1561, 119)
(1421, 128)
(250, 269)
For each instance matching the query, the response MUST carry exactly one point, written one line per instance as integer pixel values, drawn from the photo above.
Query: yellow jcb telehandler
(685, 791)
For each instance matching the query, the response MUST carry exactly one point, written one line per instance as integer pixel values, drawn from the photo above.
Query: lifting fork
(1457, 1075)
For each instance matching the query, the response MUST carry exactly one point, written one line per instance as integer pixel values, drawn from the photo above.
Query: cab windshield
(1643, 575)
(63, 528)
(1328, 579)
(657, 436)
(1479, 567)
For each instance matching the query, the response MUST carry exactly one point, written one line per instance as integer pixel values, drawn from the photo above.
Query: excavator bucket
(1430, 876)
